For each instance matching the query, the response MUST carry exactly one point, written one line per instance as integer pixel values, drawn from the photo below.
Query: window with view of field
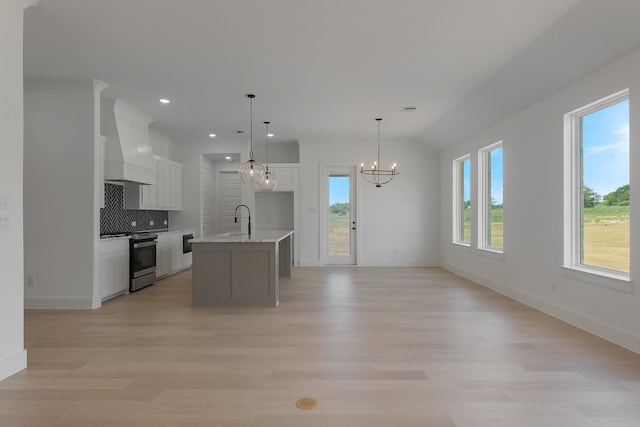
(462, 200)
(338, 241)
(600, 185)
(490, 197)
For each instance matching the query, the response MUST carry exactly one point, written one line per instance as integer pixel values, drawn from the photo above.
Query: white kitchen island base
(240, 270)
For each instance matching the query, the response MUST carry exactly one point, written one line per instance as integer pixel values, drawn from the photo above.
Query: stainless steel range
(142, 260)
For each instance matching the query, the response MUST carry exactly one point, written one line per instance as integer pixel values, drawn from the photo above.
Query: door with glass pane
(340, 214)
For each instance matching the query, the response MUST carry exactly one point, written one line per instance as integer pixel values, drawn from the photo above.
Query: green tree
(589, 197)
(619, 197)
(339, 208)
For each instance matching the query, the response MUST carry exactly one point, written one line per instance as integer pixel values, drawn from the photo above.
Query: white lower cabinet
(114, 267)
(163, 254)
(169, 256)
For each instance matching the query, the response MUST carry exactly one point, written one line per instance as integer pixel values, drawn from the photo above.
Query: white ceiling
(324, 69)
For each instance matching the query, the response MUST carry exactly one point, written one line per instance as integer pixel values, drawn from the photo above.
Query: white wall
(397, 224)
(533, 211)
(13, 356)
(190, 155)
(59, 199)
(274, 210)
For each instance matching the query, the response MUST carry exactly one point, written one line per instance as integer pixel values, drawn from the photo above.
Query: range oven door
(142, 264)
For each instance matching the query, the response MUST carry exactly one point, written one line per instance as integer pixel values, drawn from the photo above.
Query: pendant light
(376, 175)
(270, 180)
(251, 171)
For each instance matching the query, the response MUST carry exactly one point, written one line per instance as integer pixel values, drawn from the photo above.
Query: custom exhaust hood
(128, 154)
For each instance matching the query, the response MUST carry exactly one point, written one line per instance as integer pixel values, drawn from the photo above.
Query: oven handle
(144, 244)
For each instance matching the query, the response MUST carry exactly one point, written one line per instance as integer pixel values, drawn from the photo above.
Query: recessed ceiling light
(270, 135)
(164, 100)
(212, 135)
(227, 158)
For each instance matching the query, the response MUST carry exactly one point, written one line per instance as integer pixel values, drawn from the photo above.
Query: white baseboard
(378, 263)
(621, 337)
(310, 263)
(397, 263)
(13, 364)
(60, 303)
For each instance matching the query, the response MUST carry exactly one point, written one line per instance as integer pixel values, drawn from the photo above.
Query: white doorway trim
(325, 168)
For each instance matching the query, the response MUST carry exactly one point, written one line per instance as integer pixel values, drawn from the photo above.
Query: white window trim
(457, 165)
(483, 209)
(573, 201)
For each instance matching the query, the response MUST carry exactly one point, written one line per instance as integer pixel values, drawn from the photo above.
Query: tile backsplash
(115, 219)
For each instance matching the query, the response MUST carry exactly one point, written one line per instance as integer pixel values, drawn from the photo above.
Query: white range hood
(128, 154)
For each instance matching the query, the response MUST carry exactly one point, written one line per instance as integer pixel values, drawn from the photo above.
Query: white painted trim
(62, 303)
(483, 214)
(13, 364)
(26, 3)
(398, 263)
(457, 166)
(310, 263)
(621, 337)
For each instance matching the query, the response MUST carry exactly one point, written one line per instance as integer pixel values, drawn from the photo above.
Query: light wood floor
(374, 346)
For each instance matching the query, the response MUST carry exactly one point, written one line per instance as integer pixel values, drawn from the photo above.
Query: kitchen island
(240, 270)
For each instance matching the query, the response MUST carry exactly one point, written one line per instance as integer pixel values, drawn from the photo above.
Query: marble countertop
(257, 236)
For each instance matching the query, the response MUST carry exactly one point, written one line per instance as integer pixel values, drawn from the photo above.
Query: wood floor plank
(374, 347)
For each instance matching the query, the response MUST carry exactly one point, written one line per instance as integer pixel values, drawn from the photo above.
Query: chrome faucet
(235, 219)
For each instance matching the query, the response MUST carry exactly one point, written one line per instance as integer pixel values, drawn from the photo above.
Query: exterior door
(339, 212)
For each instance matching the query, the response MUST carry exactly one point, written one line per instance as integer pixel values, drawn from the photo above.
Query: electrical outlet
(150, 222)
(165, 222)
(4, 200)
(31, 281)
(133, 223)
(4, 221)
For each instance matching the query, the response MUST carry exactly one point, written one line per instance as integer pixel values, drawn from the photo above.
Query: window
(597, 222)
(490, 197)
(462, 200)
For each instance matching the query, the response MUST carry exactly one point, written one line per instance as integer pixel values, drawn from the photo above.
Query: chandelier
(251, 171)
(270, 180)
(377, 175)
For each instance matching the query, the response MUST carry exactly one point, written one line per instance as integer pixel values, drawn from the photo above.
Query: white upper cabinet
(165, 195)
(287, 176)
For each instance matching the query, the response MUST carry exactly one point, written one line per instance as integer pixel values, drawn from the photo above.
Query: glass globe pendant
(251, 171)
(270, 181)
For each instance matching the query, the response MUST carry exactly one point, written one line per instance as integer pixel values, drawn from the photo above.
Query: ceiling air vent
(239, 132)
(408, 109)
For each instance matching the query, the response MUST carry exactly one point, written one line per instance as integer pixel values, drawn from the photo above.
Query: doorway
(339, 214)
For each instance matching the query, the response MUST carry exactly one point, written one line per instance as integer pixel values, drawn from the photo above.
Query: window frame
(458, 197)
(573, 199)
(484, 198)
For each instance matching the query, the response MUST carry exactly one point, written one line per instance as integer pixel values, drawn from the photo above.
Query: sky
(496, 176)
(605, 141)
(338, 189)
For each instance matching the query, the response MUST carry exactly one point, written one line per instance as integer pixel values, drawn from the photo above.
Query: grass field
(338, 234)
(605, 235)
(606, 238)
